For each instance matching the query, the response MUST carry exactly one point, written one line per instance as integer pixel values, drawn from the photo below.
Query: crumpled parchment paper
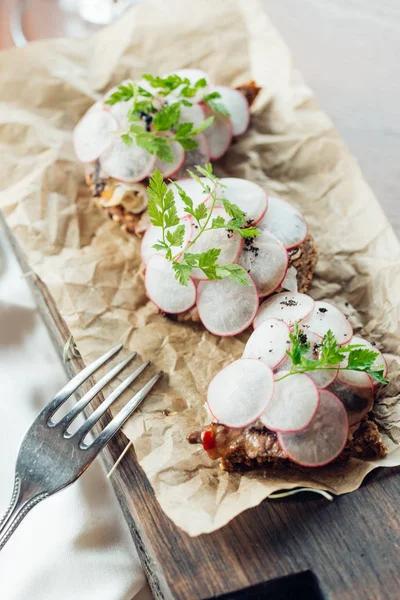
(91, 267)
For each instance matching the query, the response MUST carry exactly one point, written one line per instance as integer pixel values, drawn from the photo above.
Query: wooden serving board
(301, 547)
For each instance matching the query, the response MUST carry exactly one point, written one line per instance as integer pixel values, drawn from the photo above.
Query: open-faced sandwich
(215, 247)
(301, 394)
(171, 123)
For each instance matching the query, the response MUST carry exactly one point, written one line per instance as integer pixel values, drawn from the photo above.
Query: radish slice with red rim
(218, 134)
(321, 378)
(290, 282)
(168, 169)
(248, 196)
(164, 290)
(240, 393)
(324, 439)
(285, 222)
(357, 401)
(226, 308)
(266, 260)
(325, 316)
(120, 113)
(268, 343)
(153, 234)
(229, 243)
(193, 189)
(127, 163)
(237, 106)
(293, 405)
(285, 306)
(192, 114)
(200, 156)
(94, 133)
(356, 379)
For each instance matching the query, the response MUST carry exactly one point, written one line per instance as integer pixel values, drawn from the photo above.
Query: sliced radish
(240, 393)
(193, 75)
(285, 222)
(293, 404)
(94, 133)
(356, 379)
(164, 290)
(96, 107)
(324, 439)
(380, 359)
(290, 281)
(266, 259)
(268, 343)
(226, 308)
(237, 106)
(357, 401)
(200, 156)
(230, 244)
(322, 378)
(219, 134)
(193, 189)
(153, 234)
(120, 113)
(248, 196)
(192, 114)
(325, 316)
(168, 169)
(127, 163)
(286, 307)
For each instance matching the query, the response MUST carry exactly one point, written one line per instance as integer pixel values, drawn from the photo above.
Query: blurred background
(347, 50)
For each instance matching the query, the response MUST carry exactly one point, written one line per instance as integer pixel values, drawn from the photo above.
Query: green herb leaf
(122, 94)
(235, 273)
(233, 211)
(201, 212)
(331, 356)
(175, 238)
(167, 117)
(188, 144)
(182, 272)
(204, 125)
(127, 139)
(183, 130)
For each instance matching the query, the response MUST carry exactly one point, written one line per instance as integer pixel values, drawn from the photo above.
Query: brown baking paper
(91, 266)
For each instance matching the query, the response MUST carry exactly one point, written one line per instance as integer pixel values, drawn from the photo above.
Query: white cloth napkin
(75, 544)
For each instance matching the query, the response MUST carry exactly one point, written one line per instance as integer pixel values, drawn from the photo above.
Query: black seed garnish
(303, 338)
(289, 302)
(323, 310)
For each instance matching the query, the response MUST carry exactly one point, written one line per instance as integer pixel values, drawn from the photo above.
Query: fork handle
(16, 512)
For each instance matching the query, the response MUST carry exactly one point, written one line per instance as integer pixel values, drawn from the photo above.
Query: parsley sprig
(163, 213)
(150, 116)
(331, 355)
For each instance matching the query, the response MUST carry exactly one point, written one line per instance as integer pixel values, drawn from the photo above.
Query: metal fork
(50, 458)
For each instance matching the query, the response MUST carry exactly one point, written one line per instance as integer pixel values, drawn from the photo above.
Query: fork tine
(100, 410)
(121, 417)
(73, 385)
(86, 398)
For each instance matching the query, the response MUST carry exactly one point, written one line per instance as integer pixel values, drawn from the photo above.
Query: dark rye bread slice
(102, 187)
(256, 446)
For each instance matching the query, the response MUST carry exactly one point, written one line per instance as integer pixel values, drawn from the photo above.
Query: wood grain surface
(350, 545)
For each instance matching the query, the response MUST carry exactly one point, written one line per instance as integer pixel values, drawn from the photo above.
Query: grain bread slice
(256, 446)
